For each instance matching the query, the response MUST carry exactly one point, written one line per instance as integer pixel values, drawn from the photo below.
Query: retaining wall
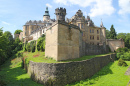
(60, 74)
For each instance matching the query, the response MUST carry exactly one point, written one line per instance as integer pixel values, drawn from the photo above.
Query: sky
(15, 13)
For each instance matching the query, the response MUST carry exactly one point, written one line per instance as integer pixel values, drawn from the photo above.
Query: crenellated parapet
(60, 13)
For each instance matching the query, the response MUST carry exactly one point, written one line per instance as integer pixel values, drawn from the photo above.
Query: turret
(101, 25)
(46, 16)
(60, 13)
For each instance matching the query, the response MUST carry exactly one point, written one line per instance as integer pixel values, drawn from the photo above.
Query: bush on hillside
(122, 50)
(41, 43)
(122, 63)
(30, 47)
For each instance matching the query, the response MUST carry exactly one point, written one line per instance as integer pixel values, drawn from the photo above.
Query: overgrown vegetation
(110, 75)
(11, 73)
(122, 63)
(18, 31)
(32, 46)
(123, 53)
(8, 46)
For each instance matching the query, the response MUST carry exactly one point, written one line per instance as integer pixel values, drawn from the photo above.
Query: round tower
(46, 16)
(60, 13)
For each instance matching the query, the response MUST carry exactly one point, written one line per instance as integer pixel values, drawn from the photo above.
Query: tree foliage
(41, 43)
(107, 34)
(8, 46)
(112, 32)
(17, 31)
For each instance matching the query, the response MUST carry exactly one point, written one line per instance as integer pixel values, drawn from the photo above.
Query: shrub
(33, 46)
(127, 56)
(41, 43)
(28, 47)
(122, 50)
(2, 83)
(118, 55)
(122, 63)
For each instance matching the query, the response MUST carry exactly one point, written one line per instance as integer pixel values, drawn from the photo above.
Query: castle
(67, 38)
(74, 37)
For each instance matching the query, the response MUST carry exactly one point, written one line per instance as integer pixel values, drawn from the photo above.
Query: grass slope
(40, 57)
(110, 75)
(12, 74)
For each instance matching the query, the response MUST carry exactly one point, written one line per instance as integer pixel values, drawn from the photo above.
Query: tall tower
(101, 25)
(60, 13)
(46, 16)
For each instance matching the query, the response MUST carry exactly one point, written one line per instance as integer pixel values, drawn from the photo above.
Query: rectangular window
(93, 37)
(90, 30)
(26, 27)
(97, 31)
(82, 26)
(79, 25)
(32, 27)
(97, 37)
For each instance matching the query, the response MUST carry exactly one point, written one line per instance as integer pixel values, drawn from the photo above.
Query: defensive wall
(60, 74)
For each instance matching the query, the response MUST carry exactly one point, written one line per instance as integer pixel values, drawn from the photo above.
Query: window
(82, 26)
(97, 31)
(25, 33)
(92, 37)
(79, 25)
(90, 30)
(32, 27)
(97, 37)
(26, 27)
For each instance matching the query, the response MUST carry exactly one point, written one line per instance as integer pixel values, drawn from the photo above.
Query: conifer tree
(112, 32)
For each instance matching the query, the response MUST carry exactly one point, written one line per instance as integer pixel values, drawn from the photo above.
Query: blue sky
(15, 13)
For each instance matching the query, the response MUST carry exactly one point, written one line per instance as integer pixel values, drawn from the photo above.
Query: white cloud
(124, 6)
(98, 7)
(48, 5)
(3, 22)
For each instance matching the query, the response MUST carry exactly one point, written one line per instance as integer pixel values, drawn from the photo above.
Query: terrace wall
(60, 74)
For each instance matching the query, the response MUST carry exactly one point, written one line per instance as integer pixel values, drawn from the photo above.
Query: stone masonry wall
(60, 74)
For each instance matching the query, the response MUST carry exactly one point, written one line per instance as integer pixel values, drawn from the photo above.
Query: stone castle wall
(60, 74)
(62, 41)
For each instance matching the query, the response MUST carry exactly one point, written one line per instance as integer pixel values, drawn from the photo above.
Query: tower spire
(46, 16)
(101, 25)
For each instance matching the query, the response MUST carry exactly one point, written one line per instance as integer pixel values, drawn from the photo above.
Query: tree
(107, 34)
(41, 43)
(121, 35)
(112, 32)
(1, 31)
(17, 31)
(127, 40)
(8, 35)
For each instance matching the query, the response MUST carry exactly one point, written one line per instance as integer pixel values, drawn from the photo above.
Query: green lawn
(40, 57)
(110, 75)
(12, 74)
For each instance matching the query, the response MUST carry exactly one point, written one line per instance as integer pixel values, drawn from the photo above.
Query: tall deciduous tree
(127, 40)
(1, 31)
(17, 31)
(112, 32)
(107, 34)
(121, 35)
